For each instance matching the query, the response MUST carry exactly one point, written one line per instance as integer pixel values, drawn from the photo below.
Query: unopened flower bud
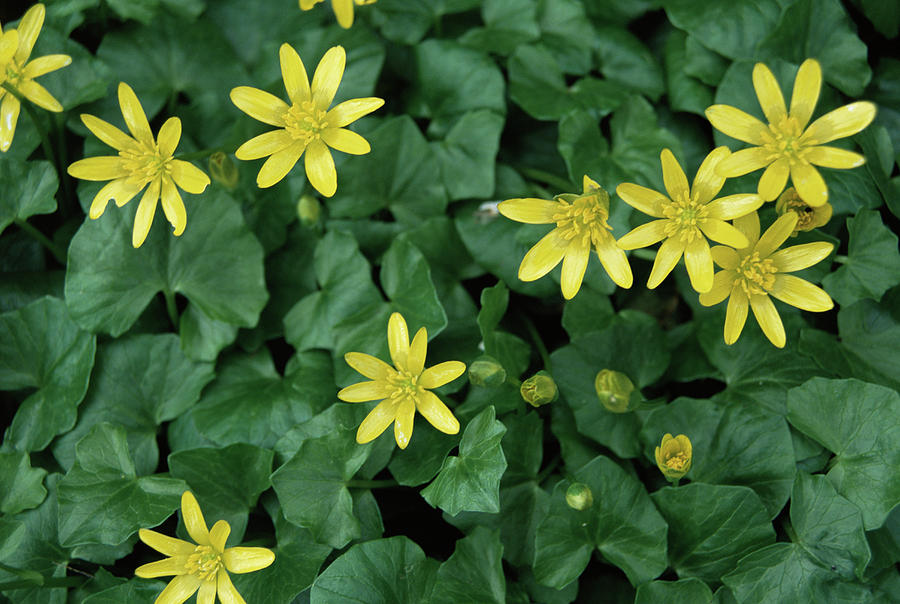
(222, 170)
(579, 496)
(486, 371)
(309, 210)
(615, 391)
(539, 389)
(674, 456)
(808, 217)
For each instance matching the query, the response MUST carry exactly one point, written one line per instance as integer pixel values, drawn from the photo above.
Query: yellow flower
(786, 145)
(581, 223)
(403, 388)
(758, 271)
(203, 566)
(306, 125)
(686, 218)
(674, 456)
(808, 217)
(343, 9)
(19, 73)
(142, 162)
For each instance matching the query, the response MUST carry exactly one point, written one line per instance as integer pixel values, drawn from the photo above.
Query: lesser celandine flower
(142, 162)
(674, 456)
(808, 217)
(686, 218)
(343, 9)
(786, 147)
(760, 270)
(581, 223)
(539, 389)
(306, 125)
(203, 566)
(403, 388)
(19, 73)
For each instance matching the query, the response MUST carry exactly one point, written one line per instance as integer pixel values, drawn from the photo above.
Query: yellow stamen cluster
(585, 218)
(757, 276)
(782, 140)
(405, 384)
(204, 563)
(676, 462)
(305, 121)
(685, 214)
(145, 164)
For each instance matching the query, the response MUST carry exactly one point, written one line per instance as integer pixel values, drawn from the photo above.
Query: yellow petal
(543, 257)
(279, 164)
(436, 412)
(721, 231)
(832, 157)
(320, 170)
(44, 65)
(684, 444)
(723, 282)
(707, 182)
(228, 593)
(807, 86)
(207, 593)
(842, 122)
(642, 199)
(769, 93)
(188, 176)
(744, 161)
(369, 366)
(737, 124)
(365, 391)
(376, 421)
(122, 190)
(29, 28)
(168, 546)
(328, 76)
(343, 10)
(673, 176)
(9, 42)
(801, 293)
(9, 115)
(644, 235)
(145, 212)
(175, 565)
(107, 133)
(748, 224)
(725, 257)
(442, 373)
(218, 535)
(296, 82)
(169, 135)
(39, 95)
(733, 206)
(173, 206)
(134, 115)
(776, 234)
(415, 360)
(405, 420)
(345, 140)
(735, 315)
(264, 145)
(768, 319)
(772, 182)
(350, 111)
(798, 257)
(574, 265)
(666, 258)
(105, 167)
(193, 519)
(308, 4)
(614, 261)
(241, 560)
(529, 210)
(260, 105)
(809, 184)
(179, 589)
(699, 263)
(398, 340)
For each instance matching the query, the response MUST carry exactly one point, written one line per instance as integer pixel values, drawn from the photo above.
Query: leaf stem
(53, 248)
(841, 259)
(538, 343)
(554, 463)
(171, 308)
(372, 484)
(559, 182)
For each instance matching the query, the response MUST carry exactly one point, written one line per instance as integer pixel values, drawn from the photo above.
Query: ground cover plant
(449, 301)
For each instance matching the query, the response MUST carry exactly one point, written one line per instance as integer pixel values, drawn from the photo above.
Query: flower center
(585, 218)
(204, 563)
(685, 216)
(305, 121)
(145, 164)
(405, 384)
(756, 276)
(676, 461)
(782, 140)
(13, 73)
(806, 214)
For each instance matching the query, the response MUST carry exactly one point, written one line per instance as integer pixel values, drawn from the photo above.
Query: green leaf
(467, 155)
(568, 34)
(685, 591)
(864, 436)
(384, 571)
(508, 23)
(42, 348)
(406, 279)
(109, 283)
(202, 338)
(622, 524)
(423, 458)
(104, 478)
(711, 527)
(537, 85)
(471, 481)
(732, 28)
(625, 61)
(474, 573)
(407, 21)
(135, 590)
(873, 261)
(685, 92)
(29, 188)
(21, 486)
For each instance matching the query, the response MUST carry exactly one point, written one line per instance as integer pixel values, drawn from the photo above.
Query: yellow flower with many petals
(142, 162)
(581, 223)
(17, 72)
(306, 125)
(808, 217)
(674, 456)
(686, 218)
(202, 566)
(343, 9)
(760, 270)
(402, 389)
(786, 146)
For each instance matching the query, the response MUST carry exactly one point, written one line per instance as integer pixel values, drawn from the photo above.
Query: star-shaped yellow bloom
(343, 9)
(402, 389)
(786, 147)
(202, 566)
(306, 125)
(142, 162)
(19, 73)
(686, 218)
(760, 270)
(581, 223)
(674, 456)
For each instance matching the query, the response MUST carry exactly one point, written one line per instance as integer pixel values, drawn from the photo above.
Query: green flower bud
(486, 371)
(615, 391)
(539, 389)
(309, 210)
(222, 170)
(579, 496)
